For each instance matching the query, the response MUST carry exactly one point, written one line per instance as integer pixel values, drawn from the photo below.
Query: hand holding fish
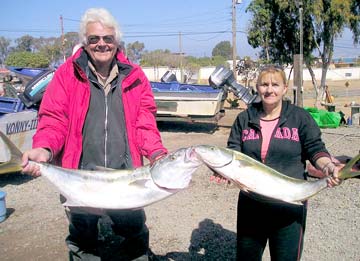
(156, 158)
(38, 155)
(219, 179)
(333, 179)
(330, 169)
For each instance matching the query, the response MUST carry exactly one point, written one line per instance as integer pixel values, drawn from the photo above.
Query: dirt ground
(198, 223)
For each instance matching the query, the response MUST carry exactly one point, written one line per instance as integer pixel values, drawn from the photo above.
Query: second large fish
(253, 176)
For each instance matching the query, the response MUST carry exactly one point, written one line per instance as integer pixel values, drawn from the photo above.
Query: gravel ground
(198, 223)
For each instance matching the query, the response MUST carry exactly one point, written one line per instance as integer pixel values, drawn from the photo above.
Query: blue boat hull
(25, 74)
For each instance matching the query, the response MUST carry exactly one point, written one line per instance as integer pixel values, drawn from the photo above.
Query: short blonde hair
(102, 16)
(271, 69)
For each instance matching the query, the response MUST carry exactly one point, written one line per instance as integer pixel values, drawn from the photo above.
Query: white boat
(20, 128)
(188, 102)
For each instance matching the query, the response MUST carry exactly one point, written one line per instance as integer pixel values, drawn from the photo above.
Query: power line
(28, 31)
(204, 40)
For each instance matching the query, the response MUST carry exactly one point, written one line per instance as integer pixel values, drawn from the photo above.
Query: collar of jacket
(254, 111)
(81, 59)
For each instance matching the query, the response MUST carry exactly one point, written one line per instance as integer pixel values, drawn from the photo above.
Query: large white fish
(115, 189)
(253, 176)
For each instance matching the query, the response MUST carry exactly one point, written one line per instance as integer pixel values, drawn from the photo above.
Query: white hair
(102, 16)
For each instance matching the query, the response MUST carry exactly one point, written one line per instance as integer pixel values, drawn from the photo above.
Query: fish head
(213, 156)
(174, 171)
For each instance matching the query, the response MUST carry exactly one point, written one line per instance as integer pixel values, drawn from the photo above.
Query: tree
(324, 21)
(160, 57)
(190, 69)
(25, 43)
(247, 70)
(354, 20)
(49, 47)
(27, 59)
(331, 18)
(274, 28)
(134, 51)
(223, 49)
(4, 48)
(70, 40)
(53, 48)
(53, 53)
(260, 28)
(218, 59)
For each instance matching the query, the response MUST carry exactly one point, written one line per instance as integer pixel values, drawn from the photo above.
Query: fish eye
(173, 157)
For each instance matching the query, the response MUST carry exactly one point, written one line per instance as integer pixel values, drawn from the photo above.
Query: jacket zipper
(106, 131)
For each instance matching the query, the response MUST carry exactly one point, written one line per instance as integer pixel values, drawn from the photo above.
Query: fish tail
(347, 171)
(14, 164)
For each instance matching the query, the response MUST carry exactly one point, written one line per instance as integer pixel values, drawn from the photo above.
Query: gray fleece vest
(104, 132)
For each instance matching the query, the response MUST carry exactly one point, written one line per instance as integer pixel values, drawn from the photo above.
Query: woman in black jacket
(282, 136)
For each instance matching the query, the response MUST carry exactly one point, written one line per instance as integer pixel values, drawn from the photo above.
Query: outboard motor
(224, 78)
(35, 88)
(168, 77)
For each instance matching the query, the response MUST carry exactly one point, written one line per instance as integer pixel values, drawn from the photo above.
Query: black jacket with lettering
(295, 139)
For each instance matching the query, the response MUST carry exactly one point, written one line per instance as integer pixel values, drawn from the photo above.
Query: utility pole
(300, 93)
(234, 36)
(180, 56)
(299, 90)
(62, 37)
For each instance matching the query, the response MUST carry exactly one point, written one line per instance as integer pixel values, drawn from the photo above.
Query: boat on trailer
(188, 102)
(18, 123)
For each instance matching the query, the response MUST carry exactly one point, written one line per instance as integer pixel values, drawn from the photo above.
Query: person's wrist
(50, 154)
(328, 167)
(157, 156)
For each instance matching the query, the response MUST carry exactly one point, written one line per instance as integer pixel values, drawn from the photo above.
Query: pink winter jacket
(65, 103)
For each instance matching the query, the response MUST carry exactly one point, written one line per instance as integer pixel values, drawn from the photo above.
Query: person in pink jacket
(98, 110)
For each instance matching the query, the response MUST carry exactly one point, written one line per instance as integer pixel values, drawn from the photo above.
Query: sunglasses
(94, 39)
(274, 67)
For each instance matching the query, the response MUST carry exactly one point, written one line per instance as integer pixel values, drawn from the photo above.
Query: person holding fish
(98, 110)
(282, 136)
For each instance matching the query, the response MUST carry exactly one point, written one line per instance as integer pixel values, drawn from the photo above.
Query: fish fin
(79, 209)
(139, 183)
(240, 185)
(347, 171)
(14, 164)
(69, 203)
(231, 185)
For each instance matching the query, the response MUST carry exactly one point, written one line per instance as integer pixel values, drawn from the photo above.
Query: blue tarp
(180, 87)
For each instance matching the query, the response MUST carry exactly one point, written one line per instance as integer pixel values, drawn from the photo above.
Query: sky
(156, 23)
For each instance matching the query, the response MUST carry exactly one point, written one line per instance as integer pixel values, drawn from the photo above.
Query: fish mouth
(197, 153)
(191, 156)
(190, 153)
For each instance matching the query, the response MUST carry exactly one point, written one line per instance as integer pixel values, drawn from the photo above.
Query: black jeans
(258, 222)
(82, 240)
